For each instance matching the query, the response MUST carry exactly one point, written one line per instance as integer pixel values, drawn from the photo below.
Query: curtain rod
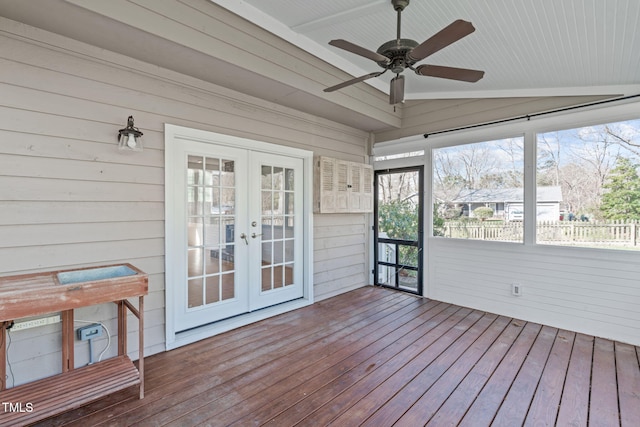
(529, 116)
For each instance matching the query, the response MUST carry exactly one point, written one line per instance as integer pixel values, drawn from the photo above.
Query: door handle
(254, 235)
(244, 236)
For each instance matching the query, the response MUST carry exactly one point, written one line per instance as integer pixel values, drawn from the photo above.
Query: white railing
(618, 233)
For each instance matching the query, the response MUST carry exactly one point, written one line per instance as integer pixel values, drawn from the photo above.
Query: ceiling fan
(399, 54)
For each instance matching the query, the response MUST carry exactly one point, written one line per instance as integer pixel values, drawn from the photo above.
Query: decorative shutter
(342, 186)
(342, 197)
(327, 185)
(356, 188)
(367, 189)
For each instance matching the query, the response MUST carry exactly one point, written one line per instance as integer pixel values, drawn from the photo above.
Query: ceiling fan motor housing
(400, 54)
(399, 4)
(396, 51)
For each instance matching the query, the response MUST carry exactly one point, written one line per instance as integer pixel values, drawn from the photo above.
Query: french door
(239, 230)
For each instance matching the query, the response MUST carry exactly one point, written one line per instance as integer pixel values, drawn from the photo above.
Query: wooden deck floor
(378, 358)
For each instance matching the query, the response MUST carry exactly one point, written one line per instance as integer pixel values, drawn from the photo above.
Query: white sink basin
(93, 274)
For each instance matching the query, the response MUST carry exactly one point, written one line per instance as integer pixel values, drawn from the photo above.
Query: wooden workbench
(42, 293)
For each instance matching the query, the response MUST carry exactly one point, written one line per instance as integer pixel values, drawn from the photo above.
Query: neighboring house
(507, 203)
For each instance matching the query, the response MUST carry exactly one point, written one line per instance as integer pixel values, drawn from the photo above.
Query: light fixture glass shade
(130, 138)
(130, 142)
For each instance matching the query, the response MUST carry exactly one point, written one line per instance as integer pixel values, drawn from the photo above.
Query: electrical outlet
(89, 332)
(34, 323)
(516, 289)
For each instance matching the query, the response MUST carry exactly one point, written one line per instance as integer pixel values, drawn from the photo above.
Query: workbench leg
(67, 341)
(3, 355)
(122, 329)
(141, 344)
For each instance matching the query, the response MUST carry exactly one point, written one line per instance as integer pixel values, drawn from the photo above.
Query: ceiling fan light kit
(400, 54)
(396, 91)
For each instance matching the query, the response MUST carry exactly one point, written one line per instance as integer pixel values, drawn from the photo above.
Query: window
(588, 186)
(478, 191)
(399, 156)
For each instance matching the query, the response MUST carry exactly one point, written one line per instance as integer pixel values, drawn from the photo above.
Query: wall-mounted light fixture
(129, 138)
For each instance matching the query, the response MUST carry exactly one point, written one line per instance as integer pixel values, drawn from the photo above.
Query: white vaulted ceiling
(526, 48)
(537, 54)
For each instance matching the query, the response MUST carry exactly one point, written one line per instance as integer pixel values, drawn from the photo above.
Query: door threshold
(406, 290)
(206, 331)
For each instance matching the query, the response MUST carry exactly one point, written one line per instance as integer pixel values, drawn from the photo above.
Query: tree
(438, 221)
(580, 161)
(483, 212)
(626, 136)
(622, 197)
(549, 151)
(398, 219)
(397, 186)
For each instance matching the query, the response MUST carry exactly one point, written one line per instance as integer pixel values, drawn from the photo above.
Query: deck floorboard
(376, 357)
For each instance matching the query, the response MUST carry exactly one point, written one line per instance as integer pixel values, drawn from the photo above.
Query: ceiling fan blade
(353, 81)
(453, 73)
(359, 50)
(448, 35)
(396, 93)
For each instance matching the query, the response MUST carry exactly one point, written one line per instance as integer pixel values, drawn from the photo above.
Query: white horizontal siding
(43, 234)
(52, 168)
(590, 291)
(29, 212)
(52, 78)
(340, 253)
(32, 188)
(69, 198)
(433, 115)
(24, 259)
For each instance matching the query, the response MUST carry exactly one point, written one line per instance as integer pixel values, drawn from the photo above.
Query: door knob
(244, 236)
(254, 235)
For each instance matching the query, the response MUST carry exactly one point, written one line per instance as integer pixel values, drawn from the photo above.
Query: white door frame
(174, 163)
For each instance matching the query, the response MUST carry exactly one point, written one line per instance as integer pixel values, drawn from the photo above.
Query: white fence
(615, 233)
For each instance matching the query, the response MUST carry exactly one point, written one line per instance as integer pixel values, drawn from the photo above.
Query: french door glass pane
(212, 172)
(228, 173)
(212, 290)
(210, 222)
(277, 219)
(195, 292)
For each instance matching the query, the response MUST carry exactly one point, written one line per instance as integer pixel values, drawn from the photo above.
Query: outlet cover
(516, 289)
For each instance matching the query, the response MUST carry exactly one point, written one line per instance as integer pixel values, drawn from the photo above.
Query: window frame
(511, 136)
(588, 116)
